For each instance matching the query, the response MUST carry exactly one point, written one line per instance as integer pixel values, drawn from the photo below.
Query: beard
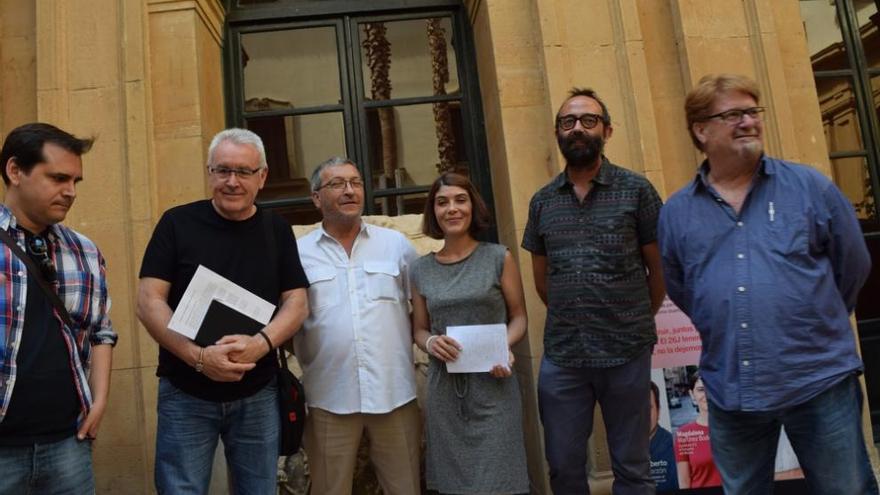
(752, 151)
(581, 150)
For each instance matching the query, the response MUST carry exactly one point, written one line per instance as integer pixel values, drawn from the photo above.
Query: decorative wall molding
(211, 12)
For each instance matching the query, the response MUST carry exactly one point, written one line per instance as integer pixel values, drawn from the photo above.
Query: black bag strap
(37, 275)
(269, 232)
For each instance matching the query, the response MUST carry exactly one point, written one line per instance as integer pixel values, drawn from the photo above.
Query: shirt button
(739, 224)
(744, 325)
(740, 256)
(746, 362)
(21, 274)
(719, 200)
(741, 288)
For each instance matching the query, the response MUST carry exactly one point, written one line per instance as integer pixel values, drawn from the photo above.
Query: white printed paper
(482, 347)
(207, 286)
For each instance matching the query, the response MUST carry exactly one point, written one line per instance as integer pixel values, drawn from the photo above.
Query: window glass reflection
(295, 145)
(869, 30)
(853, 178)
(403, 59)
(824, 40)
(400, 205)
(292, 68)
(410, 145)
(839, 118)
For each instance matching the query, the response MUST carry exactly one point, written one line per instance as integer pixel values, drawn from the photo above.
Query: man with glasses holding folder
(56, 354)
(224, 389)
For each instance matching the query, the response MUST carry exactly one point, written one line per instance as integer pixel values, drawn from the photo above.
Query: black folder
(222, 320)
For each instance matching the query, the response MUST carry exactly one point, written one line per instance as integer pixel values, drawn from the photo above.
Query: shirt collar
(603, 176)
(766, 166)
(365, 231)
(8, 221)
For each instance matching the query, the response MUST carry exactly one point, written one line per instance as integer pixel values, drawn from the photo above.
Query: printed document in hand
(207, 286)
(482, 347)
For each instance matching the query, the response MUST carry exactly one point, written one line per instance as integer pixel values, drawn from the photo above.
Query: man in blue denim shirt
(767, 258)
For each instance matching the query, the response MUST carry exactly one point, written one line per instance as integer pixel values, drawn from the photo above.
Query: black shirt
(195, 234)
(44, 404)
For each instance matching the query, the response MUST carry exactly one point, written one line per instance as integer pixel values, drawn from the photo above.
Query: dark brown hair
(25, 145)
(656, 392)
(480, 216)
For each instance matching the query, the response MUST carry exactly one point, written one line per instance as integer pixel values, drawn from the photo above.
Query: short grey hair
(238, 136)
(315, 180)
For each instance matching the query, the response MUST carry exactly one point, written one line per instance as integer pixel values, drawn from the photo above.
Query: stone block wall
(146, 78)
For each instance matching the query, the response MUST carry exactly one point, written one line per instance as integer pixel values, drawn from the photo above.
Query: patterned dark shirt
(598, 303)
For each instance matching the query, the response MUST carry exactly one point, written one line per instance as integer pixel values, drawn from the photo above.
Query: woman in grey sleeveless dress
(473, 420)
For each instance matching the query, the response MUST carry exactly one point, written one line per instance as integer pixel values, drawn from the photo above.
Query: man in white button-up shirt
(356, 345)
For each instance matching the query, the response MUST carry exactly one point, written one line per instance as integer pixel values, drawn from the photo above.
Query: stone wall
(146, 78)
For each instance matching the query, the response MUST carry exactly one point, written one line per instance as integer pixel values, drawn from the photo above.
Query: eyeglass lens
(340, 184)
(225, 172)
(587, 120)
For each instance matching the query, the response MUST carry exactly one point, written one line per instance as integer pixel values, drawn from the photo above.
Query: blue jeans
(187, 434)
(567, 398)
(63, 467)
(825, 433)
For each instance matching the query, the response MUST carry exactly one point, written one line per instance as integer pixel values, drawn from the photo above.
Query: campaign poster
(681, 455)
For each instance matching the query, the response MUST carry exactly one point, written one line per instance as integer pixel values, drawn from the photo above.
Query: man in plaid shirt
(54, 377)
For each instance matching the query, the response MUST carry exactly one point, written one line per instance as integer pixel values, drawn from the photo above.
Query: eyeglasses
(736, 115)
(587, 120)
(241, 172)
(339, 184)
(39, 248)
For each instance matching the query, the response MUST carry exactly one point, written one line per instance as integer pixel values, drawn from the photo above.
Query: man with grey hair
(356, 345)
(226, 389)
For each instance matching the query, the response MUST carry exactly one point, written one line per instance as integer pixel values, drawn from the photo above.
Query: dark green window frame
(345, 16)
(859, 75)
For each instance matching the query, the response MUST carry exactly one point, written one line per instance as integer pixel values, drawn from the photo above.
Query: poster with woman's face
(681, 454)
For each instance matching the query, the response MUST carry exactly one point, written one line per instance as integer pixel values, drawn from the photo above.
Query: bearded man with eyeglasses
(592, 235)
(356, 345)
(226, 389)
(767, 258)
(54, 361)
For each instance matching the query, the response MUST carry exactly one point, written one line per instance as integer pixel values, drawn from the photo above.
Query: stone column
(18, 79)
(90, 80)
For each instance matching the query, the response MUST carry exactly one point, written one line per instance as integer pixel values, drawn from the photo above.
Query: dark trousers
(567, 398)
(825, 433)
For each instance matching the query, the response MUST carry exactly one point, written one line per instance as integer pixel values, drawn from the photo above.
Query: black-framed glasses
(38, 248)
(339, 184)
(587, 120)
(223, 172)
(736, 115)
